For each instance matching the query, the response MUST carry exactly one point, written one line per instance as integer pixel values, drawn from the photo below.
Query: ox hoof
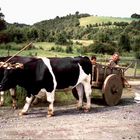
(79, 106)
(22, 113)
(86, 109)
(14, 107)
(50, 114)
(1, 103)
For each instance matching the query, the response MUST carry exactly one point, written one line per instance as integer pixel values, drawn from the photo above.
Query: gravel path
(121, 122)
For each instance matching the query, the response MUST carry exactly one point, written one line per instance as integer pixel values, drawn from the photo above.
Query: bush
(57, 49)
(5, 46)
(136, 47)
(69, 49)
(137, 54)
(82, 50)
(100, 47)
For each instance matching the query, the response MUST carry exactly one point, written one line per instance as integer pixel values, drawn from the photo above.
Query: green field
(41, 49)
(95, 19)
(44, 49)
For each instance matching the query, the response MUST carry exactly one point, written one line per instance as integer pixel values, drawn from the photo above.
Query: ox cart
(110, 80)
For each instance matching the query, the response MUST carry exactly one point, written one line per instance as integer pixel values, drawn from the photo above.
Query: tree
(61, 39)
(136, 47)
(2, 21)
(102, 36)
(32, 34)
(69, 49)
(100, 47)
(135, 16)
(124, 42)
(77, 13)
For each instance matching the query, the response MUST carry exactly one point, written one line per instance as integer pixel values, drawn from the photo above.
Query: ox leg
(50, 99)
(87, 88)
(1, 98)
(80, 92)
(13, 94)
(26, 106)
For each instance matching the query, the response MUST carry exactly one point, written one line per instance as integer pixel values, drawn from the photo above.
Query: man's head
(93, 60)
(116, 57)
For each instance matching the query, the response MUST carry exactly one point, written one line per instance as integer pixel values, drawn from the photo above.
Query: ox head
(3, 65)
(10, 75)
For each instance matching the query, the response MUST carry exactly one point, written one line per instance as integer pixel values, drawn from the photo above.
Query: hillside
(109, 34)
(98, 20)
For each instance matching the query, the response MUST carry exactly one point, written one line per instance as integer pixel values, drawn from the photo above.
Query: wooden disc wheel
(112, 89)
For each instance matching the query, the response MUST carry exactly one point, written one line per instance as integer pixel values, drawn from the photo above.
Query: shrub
(100, 47)
(69, 49)
(136, 47)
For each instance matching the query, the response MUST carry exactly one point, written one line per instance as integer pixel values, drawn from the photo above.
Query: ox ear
(40, 70)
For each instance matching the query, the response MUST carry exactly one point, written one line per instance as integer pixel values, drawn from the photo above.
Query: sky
(32, 11)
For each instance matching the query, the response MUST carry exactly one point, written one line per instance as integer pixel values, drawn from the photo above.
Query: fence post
(8, 52)
(135, 69)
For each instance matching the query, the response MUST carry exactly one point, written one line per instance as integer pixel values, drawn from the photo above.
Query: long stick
(18, 52)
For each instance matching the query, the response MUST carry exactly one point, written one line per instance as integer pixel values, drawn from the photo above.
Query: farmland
(95, 19)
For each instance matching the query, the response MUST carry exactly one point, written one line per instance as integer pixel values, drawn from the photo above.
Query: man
(113, 62)
(93, 60)
(94, 70)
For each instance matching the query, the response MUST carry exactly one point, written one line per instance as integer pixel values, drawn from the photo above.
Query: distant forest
(107, 37)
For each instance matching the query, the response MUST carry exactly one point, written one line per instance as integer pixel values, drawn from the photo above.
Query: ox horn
(19, 65)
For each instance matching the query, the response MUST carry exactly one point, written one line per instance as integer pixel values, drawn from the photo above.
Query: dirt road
(121, 122)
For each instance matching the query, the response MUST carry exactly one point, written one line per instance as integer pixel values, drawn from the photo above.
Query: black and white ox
(50, 74)
(3, 65)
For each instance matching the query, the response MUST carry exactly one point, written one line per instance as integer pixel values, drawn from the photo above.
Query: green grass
(41, 53)
(44, 45)
(41, 49)
(95, 19)
(44, 49)
(83, 42)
